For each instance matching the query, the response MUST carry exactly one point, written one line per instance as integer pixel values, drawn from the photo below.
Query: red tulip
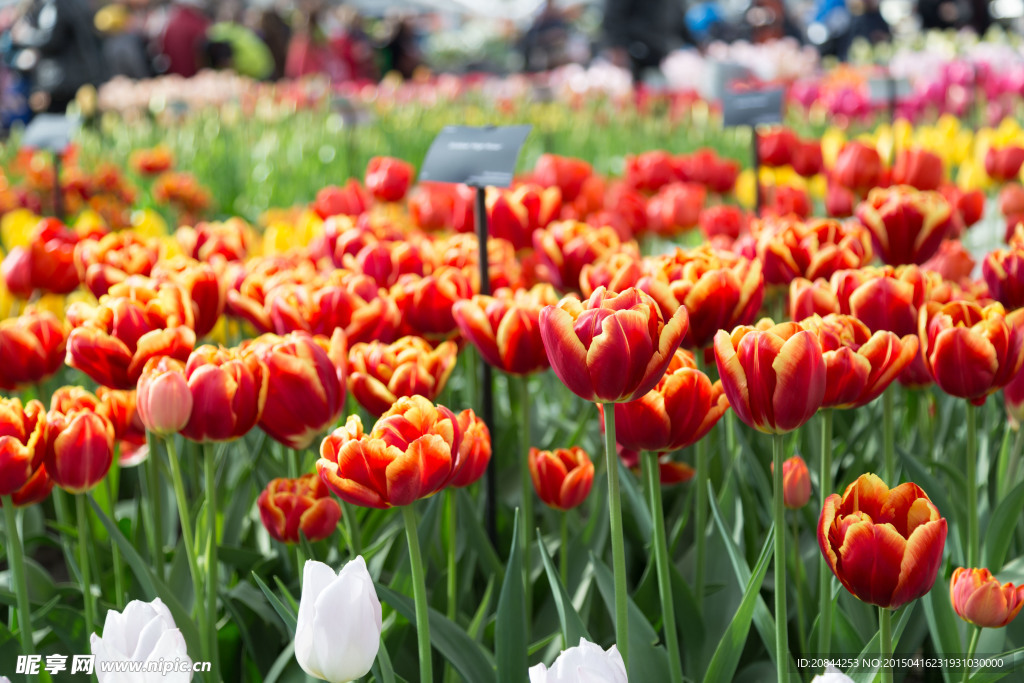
(678, 412)
(566, 173)
(884, 545)
(806, 158)
(971, 351)
(505, 328)
(79, 449)
(722, 220)
(906, 225)
(426, 303)
(918, 168)
(46, 264)
(564, 247)
(380, 374)
(790, 248)
(858, 167)
(412, 453)
(650, 171)
(675, 208)
(612, 347)
(292, 508)
(839, 201)
(231, 240)
(1003, 270)
(670, 472)
(859, 365)
(808, 298)
(203, 284)
(306, 385)
(475, 449)
(120, 407)
(22, 442)
(1003, 164)
(1013, 394)
(385, 261)
(705, 167)
(775, 147)
(508, 218)
(796, 482)
(229, 392)
(952, 262)
(36, 489)
(774, 376)
(351, 200)
(355, 304)
(388, 178)
(111, 259)
(979, 599)
(785, 200)
(31, 348)
(164, 400)
(563, 477)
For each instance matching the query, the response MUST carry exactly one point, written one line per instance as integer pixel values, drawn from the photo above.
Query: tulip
(152, 161)
(969, 205)
(786, 200)
(508, 219)
(164, 400)
(339, 622)
(791, 248)
(231, 240)
(776, 147)
(35, 490)
(806, 158)
(1003, 270)
(505, 328)
(47, 263)
(859, 364)
(290, 506)
(112, 258)
(356, 305)
(22, 442)
(32, 347)
(462, 251)
(421, 439)
(953, 262)
(203, 284)
(350, 200)
(229, 392)
(774, 377)
(564, 247)
(388, 178)
(918, 168)
(613, 347)
(839, 201)
(121, 408)
(906, 225)
(305, 387)
(650, 171)
(677, 413)
(971, 351)
(475, 449)
(566, 173)
(675, 208)
(585, 663)
(562, 477)
(1013, 395)
(79, 449)
(381, 373)
(808, 298)
(722, 220)
(796, 482)
(705, 167)
(884, 545)
(426, 303)
(858, 167)
(385, 261)
(144, 632)
(979, 599)
(670, 472)
(1002, 164)
(617, 272)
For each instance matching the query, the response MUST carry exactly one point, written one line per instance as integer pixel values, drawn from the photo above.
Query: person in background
(234, 46)
(276, 33)
(309, 51)
(57, 49)
(353, 46)
(124, 44)
(184, 37)
(638, 34)
(400, 51)
(544, 43)
(866, 22)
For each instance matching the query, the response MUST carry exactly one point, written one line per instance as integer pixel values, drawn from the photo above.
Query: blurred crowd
(52, 48)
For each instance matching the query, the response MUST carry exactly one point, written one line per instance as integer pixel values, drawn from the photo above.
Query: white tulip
(832, 675)
(339, 627)
(585, 663)
(144, 632)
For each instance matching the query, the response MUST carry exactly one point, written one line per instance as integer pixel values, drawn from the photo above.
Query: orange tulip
(670, 471)
(884, 545)
(808, 298)
(979, 599)
(563, 477)
(203, 284)
(505, 328)
(475, 449)
(229, 392)
(380, 374)
(79, 449)
(36, 489)
(971, 351)
(31, 348)
(859, 365)
(22, 442)
(231, 240)
(796, 482)
(612, 347)
(306, 385)
(46, 264)
(774, 375)
(412, 452)
(290, 507)
(564, 247)
(137, 320)
(426, 303)
(112, 258)
(791, 248)
(906, 225)
(164, 400)
(678, 412)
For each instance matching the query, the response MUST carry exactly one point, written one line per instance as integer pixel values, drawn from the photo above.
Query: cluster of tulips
(220, 330)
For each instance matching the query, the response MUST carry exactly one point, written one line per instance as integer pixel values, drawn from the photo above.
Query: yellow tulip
(972, 176)
(309, 226)
(817, 187)
(16, 227)
(831, 144)
(746, 192)
(149, 223)
(278, 238)
(89, 221)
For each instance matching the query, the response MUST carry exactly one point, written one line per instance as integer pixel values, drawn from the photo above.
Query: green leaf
(510, 622)
(727, 654)
(1002, 525)
(470, 520)
(288, 616)
(631, 492)
(871, 650)
(572, 625)
(465, 654)
(1012, 661)
(477, 622)
(942, 624)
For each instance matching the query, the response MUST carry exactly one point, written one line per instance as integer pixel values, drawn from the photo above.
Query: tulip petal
(870, 561)
(921, 561)
(566, 352)
(800, 381)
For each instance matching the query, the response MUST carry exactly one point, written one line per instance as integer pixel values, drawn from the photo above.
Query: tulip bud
(22, 441)
(475, 449)
(164, 401)
(388, 178)
(585, 663)
(145, 632)
(563, 477)
(796, 482)
(288, 506)
(979, 599)
(342, 610)
(79, 449)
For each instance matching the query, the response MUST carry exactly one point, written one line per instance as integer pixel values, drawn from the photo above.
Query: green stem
(81, 513)
(798, 581)
(212, 566)
(526, 484)
(188, 539)
(885, 642)
(824, 573)
(351, 522)
(701, 520)
(419, 593)
(888, 438)
(779, 513)
(971, 476)
(970, 652)
(618, 541)
(16, 561)
(563, 552)
(150, 472)
(1011, 468)
(661, 560)
(453, 586)
(115, 553)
